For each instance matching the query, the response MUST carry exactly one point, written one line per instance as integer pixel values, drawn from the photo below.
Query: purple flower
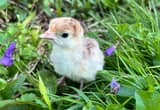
(110, 50)
(115, 86)
(7, 59)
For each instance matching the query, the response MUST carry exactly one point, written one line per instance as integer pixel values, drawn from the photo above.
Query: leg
(81, 84)
(61, 80)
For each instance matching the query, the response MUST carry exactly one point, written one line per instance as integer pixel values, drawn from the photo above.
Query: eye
(65, 35)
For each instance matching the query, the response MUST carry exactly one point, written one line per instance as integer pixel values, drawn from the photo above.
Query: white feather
(72, 64)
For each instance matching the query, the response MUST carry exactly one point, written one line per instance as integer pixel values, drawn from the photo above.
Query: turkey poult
(73, 56)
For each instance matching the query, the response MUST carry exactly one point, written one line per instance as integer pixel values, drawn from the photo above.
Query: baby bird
(73, 56)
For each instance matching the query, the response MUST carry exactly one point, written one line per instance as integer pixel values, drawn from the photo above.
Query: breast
(65, 63)
(77, 65)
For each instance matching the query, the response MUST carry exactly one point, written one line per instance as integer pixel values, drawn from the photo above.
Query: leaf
(21, 14)
(3, 4)
(31, 98)
(13, 86)
(49, 80)
(40, 102)
(19, 106)
(139, 102)
(11, 30)
(156, 60)
(3, 37)
(110, 3)
(84, 96)
(44, 93)
(3, 70)
(58, 5)
(27, 101)
(46, 8)
(28, 52)
(154, 35)
(3, 84)
(74, 107)
(90, 106)
(126, 91)
(115, 107)
(27, 97)
(147, 100)
(150, 83)
(28, 19)
(6, 102)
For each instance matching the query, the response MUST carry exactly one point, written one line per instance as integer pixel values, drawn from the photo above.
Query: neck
(78, 45)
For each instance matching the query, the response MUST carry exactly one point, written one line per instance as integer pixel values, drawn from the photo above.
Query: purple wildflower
(7, 59)
(110, 50)
(115, 86)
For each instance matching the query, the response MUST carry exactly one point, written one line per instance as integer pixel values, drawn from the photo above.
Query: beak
(47, 35)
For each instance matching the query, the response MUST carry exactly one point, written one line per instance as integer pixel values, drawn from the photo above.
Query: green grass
(30, 83)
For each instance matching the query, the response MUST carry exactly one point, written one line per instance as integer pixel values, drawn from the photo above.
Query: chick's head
(64, 32)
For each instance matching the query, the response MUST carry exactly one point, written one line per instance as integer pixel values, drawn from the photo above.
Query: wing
(93, 52)
(91, 49)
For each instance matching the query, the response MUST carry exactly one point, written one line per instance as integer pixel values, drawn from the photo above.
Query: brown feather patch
(89, 45)
(63, 24)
